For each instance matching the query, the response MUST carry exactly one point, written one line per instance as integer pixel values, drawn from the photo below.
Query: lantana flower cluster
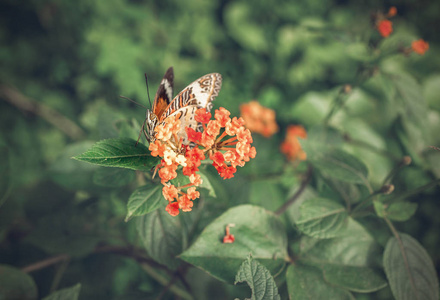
(291, 146)
(225, 141)
(259, 119)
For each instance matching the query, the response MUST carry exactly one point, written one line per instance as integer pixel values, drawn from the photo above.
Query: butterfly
(198, 94)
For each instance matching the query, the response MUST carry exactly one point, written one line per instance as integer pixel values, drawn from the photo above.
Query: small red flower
(202, 116)
(228, 238)
(193, 136)
(392, 12)
(385, 28)
(420, 46)
(173, 209)
(218, 158)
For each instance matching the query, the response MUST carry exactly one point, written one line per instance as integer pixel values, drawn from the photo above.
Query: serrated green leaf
(16, 284)
(321, 218)
(162, 236)
(409, 269)
(257, 231)
(259, 280)
(306, 282)
(144, 200)
(113, 177)
(356, 279)
(338, 164)
(70, 293)
(119, 152)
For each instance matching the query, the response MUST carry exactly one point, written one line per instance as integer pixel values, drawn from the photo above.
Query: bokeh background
(63, 65)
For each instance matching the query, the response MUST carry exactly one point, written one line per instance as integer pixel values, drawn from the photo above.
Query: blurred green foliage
(77, 57)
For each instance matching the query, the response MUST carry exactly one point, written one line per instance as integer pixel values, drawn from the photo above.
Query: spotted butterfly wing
(199, 94)
(164, 93)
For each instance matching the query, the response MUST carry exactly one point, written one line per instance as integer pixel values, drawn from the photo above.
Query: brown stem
(298, 193)
(14, 97)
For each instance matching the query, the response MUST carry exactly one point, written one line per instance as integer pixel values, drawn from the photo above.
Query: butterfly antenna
(148, 90)
(123, 97)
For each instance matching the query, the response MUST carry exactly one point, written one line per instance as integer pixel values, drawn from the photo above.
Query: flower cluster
(419, 46)
(259, 119)
(383, 25)
(223, 140)
(291, 146)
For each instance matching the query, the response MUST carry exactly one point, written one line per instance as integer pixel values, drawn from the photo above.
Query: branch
(17, 99)
(298, 193)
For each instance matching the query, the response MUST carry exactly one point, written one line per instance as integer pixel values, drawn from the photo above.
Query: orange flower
(193, 136)
(392, 12)
(291, 146)
(202, 116)
(185, 203)
(192, 193)
(157, 148)
(222, 116)
(420, 46)
(385, 28)
(166, 173)
(169, 192)
(259, 119)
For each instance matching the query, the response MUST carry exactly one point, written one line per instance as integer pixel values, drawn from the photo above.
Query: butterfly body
(199, 94)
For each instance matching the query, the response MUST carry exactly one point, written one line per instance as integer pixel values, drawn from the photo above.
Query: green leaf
(119, 152)
(162, 236)
(207, 185)
(113, 177)
(401, 211)
(356, 279)
(71, 293)
(356, 247)
(257, 231)
(321, 218)
(16, 284)
(398, 211)
(307, 282)
(410, 271)
(144, 200)
(259, 280)
(338, 164)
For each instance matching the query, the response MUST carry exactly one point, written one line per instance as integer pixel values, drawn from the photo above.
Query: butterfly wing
(164, 93)
(198, 94)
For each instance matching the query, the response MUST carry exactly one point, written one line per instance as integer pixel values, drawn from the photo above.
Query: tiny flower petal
(392, 12)
(192, 193)
(169, 156)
